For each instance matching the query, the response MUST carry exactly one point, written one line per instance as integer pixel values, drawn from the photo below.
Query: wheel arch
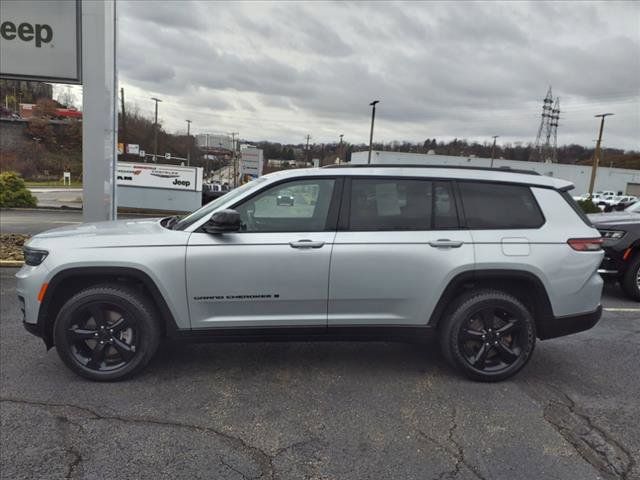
(64, 284)
(525, 286)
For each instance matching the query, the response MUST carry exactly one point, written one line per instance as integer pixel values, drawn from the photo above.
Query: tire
(630, 281)
(488, 335)
(106, 332)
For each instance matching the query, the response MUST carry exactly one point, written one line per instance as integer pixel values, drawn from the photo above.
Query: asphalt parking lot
(324, 411)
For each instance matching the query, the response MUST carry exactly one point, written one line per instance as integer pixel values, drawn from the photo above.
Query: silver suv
(487, 260)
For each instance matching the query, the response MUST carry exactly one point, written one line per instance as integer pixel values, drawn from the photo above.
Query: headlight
(612, 234)
(34, 257)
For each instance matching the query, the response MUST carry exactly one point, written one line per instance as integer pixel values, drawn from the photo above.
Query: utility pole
(373, 118)
(340, 149)
(307, 148)
(188, 142)
(234, 158)
(124, 124)
(493, 149)
(155, 128)
(596, 154)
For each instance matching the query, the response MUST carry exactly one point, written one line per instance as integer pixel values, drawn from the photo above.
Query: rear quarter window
(495, 206)
(576, 208)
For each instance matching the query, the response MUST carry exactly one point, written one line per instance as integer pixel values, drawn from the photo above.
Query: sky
(279, 71)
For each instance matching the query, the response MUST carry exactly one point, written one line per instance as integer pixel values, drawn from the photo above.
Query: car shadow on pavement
(271, 357)
(613, 289)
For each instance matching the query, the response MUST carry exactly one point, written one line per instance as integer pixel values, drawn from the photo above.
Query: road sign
(41, 41)
(167, 156)
(142, 153)
(133, 148)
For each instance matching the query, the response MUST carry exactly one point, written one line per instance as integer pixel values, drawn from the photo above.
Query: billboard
(41, 41)
(151, 175)
(251, 162)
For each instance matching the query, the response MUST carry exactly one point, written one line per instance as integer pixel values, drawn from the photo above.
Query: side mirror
(223, 221)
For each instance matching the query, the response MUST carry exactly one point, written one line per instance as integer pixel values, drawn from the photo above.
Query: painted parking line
(621, 309)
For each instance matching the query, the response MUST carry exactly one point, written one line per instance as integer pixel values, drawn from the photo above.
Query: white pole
(99, 101)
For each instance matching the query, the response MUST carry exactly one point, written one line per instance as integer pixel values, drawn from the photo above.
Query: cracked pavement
(324, 411)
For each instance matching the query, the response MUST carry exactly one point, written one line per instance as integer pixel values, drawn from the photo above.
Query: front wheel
(106, 332)
(631, 278)
(489, 335)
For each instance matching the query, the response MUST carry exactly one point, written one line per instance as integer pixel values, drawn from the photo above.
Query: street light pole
(340, 149)
(596, 154)
(373, 118)
(493, 149)
(188, 142)
(155, 134)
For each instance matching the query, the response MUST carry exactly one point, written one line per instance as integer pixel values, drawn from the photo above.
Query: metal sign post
(45, 41)
(99, 99)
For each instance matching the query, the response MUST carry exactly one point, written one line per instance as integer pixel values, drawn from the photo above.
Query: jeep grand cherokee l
(487, 260)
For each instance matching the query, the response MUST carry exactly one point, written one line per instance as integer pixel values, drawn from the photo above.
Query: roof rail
(417, 165)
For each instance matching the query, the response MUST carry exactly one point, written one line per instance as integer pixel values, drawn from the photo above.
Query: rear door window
(490, 206)
(401, 204)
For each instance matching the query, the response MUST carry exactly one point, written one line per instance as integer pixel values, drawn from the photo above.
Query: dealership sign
(150, 175)
(251, 161)
(41, 41)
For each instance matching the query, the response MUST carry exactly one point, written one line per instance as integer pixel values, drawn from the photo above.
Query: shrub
(588, 206)
(13, 192)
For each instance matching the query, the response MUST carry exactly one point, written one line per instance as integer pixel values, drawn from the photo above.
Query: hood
(121, 233)
(617, 218)
(98, 229)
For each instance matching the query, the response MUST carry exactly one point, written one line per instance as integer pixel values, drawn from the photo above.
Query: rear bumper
(561, 326)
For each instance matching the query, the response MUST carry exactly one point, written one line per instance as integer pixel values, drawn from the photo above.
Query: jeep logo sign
(40, 40)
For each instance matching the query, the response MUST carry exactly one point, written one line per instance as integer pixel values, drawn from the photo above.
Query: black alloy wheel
(107, 332)
(491, 339)
(103, 337)
(488, 334)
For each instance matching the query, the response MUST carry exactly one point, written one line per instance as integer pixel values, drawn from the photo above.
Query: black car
(621, 233)
(211, 191)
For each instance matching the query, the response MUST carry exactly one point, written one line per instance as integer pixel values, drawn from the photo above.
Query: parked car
(211, 191)
(486, 260)
(621, 233)
(285, 199)
(619, 203)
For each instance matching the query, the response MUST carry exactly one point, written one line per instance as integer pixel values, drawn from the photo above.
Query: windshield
(210, 207)
(634, 208)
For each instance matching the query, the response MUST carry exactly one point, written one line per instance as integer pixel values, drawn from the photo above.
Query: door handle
(446, 243)
(306, 244)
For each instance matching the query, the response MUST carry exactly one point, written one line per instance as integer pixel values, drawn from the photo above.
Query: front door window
(297, 206)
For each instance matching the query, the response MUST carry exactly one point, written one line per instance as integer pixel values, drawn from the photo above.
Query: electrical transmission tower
(545, 151)
(555, 117)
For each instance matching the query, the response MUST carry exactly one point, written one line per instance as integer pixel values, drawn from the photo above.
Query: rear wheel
(489, 335)
(107, 332)
(631, 279)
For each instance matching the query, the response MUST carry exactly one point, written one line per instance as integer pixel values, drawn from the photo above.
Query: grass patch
(52, 184)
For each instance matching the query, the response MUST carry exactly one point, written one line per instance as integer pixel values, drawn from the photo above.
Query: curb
(53, 209)
(11, 263)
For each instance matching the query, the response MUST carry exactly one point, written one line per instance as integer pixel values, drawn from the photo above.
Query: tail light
(586, 244)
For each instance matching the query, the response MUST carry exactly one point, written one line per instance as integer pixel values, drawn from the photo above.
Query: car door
(397, 247)
(275, 270)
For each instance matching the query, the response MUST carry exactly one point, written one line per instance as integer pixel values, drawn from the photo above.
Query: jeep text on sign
(152, 175)
(40, 40)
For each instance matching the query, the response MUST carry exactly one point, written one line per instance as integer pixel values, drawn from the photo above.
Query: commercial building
(214, 141)
(622, 180)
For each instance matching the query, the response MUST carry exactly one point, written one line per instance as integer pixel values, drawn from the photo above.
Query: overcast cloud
(278, 71)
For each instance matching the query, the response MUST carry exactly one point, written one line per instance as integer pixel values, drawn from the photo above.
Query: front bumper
(561, 326)
(33, 328)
